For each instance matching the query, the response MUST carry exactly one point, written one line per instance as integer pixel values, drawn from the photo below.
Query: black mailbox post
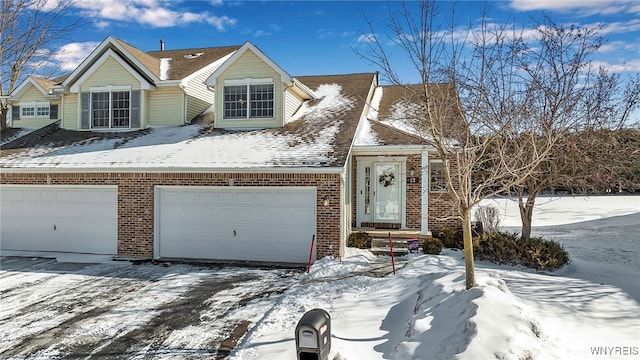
(313, 335)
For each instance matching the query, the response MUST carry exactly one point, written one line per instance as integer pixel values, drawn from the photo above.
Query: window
(437, 181)
(42, 111)
(235, 102)
(120, 108)
(28, 111)
(261, 101)
(110, 109)
(248, 101)
(34, 109)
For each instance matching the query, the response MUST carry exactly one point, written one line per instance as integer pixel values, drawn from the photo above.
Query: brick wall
(136, 200)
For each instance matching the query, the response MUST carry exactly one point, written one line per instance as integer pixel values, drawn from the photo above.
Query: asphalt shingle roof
(320, 136)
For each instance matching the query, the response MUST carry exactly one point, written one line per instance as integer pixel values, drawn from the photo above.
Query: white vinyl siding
(70, 112)
(166, 107)
(249, 65)
(195, 107)
(33, 98)
(199, 96)
(110, 73)
(292, 104)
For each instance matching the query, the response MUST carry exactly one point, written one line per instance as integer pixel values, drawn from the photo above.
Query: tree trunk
(468, 249)
(3, 117)
(526, 213)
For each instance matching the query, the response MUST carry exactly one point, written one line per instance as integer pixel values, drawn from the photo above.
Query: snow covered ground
(588, 310)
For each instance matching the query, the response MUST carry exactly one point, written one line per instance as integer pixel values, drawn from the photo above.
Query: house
(212, 153)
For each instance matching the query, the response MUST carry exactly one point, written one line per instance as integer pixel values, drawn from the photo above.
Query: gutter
(176, 170)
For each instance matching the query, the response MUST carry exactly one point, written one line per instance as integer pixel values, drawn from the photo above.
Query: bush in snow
(498, 247)
(542, 254)
(432, 246)
(510, 248)
(359, 240)
(451, 237)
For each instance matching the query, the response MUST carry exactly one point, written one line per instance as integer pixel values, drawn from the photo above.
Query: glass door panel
(387, 192)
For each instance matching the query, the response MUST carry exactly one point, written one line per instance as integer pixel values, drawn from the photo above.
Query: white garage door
(273, 224)
(79, 219)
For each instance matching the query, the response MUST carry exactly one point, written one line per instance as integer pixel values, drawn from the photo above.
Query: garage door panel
(240, 223)
(80, 219)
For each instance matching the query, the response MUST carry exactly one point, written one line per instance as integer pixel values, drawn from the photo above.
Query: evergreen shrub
(359, 240)
(432, 246)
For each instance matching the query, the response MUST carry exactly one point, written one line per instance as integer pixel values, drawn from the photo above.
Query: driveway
(122, 310)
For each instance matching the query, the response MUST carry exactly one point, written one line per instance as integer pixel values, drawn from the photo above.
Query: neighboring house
(269, 163)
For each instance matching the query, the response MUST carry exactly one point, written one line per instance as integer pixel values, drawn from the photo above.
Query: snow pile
(424, 311)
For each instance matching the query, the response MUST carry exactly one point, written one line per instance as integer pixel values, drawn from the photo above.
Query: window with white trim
(28, 111)
(437, 181)
(111, 109)
(250, 101)
(34, 110)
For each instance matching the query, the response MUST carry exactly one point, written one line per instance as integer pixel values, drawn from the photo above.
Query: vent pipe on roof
(161, 45)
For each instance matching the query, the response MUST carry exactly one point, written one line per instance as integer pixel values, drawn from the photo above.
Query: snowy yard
(589, 309)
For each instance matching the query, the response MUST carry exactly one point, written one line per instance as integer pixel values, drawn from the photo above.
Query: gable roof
(247, 46)
(182, 63)
(397, 109)
(42, 84)
(318, 140)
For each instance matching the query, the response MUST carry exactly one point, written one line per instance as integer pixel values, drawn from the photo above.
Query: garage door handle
(234, 233)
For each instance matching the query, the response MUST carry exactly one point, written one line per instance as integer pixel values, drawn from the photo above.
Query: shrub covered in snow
(432, 246)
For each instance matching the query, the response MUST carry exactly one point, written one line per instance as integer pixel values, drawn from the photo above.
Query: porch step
(380, 246)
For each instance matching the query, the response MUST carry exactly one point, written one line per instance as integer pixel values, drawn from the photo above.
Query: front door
(380, 190)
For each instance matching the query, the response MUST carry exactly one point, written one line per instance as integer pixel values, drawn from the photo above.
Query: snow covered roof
(396, 111)
(320, 136)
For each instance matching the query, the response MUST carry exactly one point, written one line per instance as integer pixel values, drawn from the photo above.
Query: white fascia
(391, 149)
(144, 84)
(176, 170)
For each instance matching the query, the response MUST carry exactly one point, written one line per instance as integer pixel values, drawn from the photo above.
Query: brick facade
(136, 200)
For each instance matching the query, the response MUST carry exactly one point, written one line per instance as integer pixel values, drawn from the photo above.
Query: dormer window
(253, 99)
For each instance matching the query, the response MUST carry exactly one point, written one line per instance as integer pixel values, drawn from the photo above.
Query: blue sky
(318, 37)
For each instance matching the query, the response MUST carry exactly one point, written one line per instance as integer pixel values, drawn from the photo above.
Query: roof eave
(389, 149)
(180, 170)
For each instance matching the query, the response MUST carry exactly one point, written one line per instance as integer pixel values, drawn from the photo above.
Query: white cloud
(584, 7)
(221, 22)
(631, 66)
(71, 55)
(155, 13)
(620, 27)
(367, 38)
(260, 33)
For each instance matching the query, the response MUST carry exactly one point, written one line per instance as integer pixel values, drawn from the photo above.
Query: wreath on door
(387, 178)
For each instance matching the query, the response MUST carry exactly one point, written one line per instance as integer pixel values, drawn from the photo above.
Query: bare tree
(569, 97)
(516, 95)
(28, 28)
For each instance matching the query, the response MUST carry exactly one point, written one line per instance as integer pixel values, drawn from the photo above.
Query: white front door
(387, 201)
(380, 191)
